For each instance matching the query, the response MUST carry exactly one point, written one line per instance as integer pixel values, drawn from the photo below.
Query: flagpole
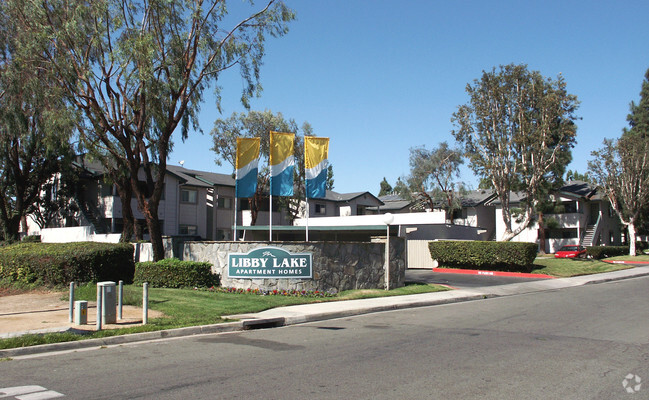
(270, 223)
(306, 196)
(235, 212)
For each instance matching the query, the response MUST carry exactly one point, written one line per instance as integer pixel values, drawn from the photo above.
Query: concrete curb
(292, 315)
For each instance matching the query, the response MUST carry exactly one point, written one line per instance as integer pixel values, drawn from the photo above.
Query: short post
(145, 303)
(81, 312)
(71, 302)
(387, 218)
(100, 293)
(120, 295)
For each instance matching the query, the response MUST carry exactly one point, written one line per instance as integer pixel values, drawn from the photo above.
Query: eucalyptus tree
(433, 179)
(621, 167)
(138, 70)
(259, 124)
(517, 128)
(35, 127)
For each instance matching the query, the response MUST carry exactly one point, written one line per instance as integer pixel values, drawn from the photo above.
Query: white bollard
(100, 293)
(145, 303)
(71, 302)
(119, 299)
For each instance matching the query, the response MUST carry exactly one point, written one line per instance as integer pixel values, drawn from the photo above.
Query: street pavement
(579, 342)
(283, 316)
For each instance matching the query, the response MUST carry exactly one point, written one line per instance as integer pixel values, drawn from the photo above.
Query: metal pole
(270, 220)
(387, 218)
(145, 303)
(306, 196)
(120, 296)
(235, 214)
(99, 301)
(387, 257)
(71, 302)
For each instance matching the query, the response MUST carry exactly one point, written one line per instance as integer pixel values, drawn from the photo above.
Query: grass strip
(567, 267)
(187, 307)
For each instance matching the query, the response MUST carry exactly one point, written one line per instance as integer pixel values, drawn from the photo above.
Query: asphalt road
(577, 343)
(460, 281)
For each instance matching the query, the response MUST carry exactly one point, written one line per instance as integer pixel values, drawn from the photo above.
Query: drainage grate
(263, 323)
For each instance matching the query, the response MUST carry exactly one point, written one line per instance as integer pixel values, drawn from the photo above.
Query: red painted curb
(625, 262)
(491, 273)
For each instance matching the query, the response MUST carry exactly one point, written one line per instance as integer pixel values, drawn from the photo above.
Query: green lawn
(566, 267)
(643, 258)
(186, 307)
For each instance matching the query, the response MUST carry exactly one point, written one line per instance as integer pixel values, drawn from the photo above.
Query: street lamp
(387, 219)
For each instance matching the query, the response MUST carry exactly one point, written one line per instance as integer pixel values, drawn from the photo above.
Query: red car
(571, 251)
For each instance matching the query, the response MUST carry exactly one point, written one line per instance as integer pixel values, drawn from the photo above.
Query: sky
(379, 77)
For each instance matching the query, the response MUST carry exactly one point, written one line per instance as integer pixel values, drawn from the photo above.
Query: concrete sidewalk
(290, 315)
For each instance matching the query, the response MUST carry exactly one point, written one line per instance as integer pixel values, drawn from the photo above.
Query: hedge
(54, 264)
(599, 252)
(493, 256)
(173, 273)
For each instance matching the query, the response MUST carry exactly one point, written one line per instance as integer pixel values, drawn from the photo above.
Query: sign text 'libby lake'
(270, 262)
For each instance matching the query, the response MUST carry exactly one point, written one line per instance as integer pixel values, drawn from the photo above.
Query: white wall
(437, 217)
(530, 234)
(76, 234)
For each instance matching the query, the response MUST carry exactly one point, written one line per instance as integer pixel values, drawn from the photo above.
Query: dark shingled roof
(186, 176)
(342, 197)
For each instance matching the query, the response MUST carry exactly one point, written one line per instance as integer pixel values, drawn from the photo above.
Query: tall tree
(138, 69)
(516, 129)
(330, 177)
(259, 124)
(386, 188)
(621, 168)
(433, 177)
(35, 127)
(576, 176)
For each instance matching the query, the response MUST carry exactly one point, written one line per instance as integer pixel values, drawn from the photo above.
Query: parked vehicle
(571, 251)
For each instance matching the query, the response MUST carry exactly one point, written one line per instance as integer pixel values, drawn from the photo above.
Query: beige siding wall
(418, 255)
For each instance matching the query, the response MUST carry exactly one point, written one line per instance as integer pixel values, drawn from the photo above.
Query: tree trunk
(155, 233)
(509, 233)
(632, 236)
(541, 234)
(10, 229)
(125, 196)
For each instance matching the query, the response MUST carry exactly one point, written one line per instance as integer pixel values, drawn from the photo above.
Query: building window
(224, 203)
(361, 210)
(562, 234)
(320, 209)
(106, 189)
(188, 196)
(222, 234)
(189, 230)
(611, 237)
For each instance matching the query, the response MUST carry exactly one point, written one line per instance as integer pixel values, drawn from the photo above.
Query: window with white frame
(321, 209)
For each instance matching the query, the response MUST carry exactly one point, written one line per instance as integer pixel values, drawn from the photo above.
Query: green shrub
(54, 264)
(599, 252)
(493, 256)
(31, 239)
(173, 273)
(641, 247)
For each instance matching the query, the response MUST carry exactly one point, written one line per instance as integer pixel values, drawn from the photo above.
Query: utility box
(108, 304)
(80, 312)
